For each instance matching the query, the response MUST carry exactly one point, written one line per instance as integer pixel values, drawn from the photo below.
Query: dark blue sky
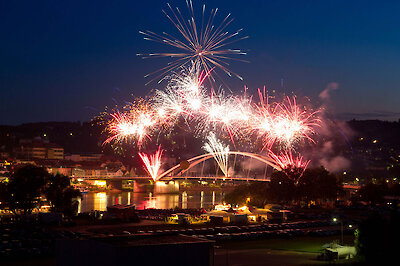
(67, 60)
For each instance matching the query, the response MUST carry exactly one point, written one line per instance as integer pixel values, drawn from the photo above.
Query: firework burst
(152, 163)
(120, 128)
(294, 166)
(203, 43)
(223, 113)
(201, 51)
(184, 95)
(292, 124)
(135, 124)
(284, 123)
(219, 152)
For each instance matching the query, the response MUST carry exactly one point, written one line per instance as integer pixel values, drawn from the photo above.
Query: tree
(377, 238)
(28, 183)
(254, 194)
(289, 185)
(24, 188)
(318, 184)
(238, 195)
(292, 184)
(61, 195)
(283, 187)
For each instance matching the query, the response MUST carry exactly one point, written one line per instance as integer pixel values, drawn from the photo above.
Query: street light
(335, 220)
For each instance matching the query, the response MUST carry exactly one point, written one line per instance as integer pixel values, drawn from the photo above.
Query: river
(184, 199)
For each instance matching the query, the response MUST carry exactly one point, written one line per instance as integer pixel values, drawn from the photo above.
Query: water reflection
(202, 199)
(186, 199)
(100, 201)
(213, 198)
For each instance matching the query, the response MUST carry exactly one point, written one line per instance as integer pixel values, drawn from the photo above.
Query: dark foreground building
(135, 250)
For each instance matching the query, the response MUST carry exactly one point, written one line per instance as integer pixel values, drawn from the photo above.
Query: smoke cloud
(331, 160)
(334, 137)
(252, 164)
(325, 94)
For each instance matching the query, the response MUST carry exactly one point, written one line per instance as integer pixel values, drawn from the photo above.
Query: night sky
(67, 60)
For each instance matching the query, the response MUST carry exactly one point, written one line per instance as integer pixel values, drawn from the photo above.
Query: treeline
(315, 185)
(289, 186)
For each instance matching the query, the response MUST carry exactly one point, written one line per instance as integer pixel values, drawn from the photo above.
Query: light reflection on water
(185, 200)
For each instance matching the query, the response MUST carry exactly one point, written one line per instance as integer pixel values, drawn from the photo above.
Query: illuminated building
(38, 149)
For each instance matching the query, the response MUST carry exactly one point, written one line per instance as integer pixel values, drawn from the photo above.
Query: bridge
(201, 158)
(169, 174)
(170, 178)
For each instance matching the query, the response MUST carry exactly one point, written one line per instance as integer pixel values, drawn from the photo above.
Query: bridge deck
(168, 178)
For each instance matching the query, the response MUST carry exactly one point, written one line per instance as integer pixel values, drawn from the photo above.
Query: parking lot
(243, 232)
